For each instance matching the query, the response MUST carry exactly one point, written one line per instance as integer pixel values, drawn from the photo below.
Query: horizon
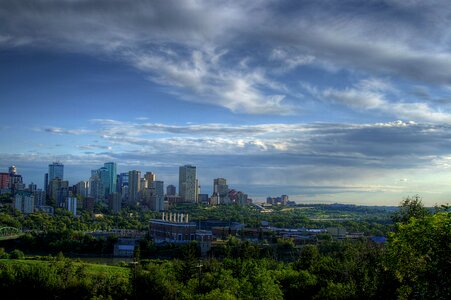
(344, 102)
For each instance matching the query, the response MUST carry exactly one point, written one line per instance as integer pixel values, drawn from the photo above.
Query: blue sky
(326, 101)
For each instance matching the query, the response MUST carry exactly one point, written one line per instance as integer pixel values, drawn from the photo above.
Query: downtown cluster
(106, 187)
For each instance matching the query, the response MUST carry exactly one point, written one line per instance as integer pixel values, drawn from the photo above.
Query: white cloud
(374, 95)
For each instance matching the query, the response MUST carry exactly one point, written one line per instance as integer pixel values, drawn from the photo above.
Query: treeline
(414, 264)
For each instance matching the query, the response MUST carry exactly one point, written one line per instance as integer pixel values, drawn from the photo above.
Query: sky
(325, 101)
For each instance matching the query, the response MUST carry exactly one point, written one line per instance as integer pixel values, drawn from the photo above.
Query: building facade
(134, 186)
(112, 174)
(56, 170)
(188, 184)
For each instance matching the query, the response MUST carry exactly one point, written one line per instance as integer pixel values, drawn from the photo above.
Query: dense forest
(415, 263)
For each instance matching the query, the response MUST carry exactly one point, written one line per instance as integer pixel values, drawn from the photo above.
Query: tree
(419, 255)
(408, 208)
(17, 254)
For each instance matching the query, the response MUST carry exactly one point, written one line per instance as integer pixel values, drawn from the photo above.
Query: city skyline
(324, 101)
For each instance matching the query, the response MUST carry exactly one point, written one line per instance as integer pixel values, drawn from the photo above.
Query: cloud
(388, 145)
(235, 54)
(374, 94)
(94, 147)
(59, 130)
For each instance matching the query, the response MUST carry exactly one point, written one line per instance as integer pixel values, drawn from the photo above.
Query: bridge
(10, 233)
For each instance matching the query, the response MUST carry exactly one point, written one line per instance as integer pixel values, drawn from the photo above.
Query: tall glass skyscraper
(56, 170)
(112, 170)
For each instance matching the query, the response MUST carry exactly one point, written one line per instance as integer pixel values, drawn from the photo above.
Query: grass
(90, 268)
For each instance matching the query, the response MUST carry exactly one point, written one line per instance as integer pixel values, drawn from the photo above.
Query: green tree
(419, 255)
(408, 208)
(16, 254)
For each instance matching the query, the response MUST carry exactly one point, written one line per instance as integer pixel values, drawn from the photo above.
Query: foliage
(411, 207)
(419, 255)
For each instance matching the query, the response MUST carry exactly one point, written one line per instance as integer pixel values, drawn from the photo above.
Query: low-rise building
(172, 228)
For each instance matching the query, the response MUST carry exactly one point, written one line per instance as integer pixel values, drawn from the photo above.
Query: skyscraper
(220, 187)
(71, 205)
(170, 190)
(56, 170)
(122, 181)
(112, 170)
(150, 177)
(104, 176)
(4, 181)
(134, 182)
(12, 170)
(188, 183)
(158, 195)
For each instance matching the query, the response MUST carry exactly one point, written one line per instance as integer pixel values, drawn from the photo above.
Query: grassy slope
(90, 268)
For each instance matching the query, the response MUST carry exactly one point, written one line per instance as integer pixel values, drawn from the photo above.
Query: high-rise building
(56, 170)
(112, 171)
(115, 202)
(134, 186)
(96, 189)
(150, 177)
(170, 190)
(4, 181)
(15, 180)
(39, 197)
(158, 196)
(71, 205)
(46, 183)
(12, 170)
(188, 184)
(220, 187)
(32, 187)
(24, 201)
(82, 189)
(57, 190)
(143, 184)
(104, 176)
(122, 181)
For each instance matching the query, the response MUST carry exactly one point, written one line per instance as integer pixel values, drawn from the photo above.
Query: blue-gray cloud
(233, 54)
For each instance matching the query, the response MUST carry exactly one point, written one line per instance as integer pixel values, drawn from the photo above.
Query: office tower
(12, 170)
(188, 185)
(4, 181)
(39, 197)
(71, 205)
(115, 202)
(59, 191)
(46, 183)
(134, 182)
(96, 189)
(15, 180)
(112, 171)
(82, 189)
(150, 177)
(284, 199)
(143, 184)
(170, 190)
(56, 170)
(122, 181)
(32, 187)
(104, 176)
(24, 201)
(158, 196)
(220, 187)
